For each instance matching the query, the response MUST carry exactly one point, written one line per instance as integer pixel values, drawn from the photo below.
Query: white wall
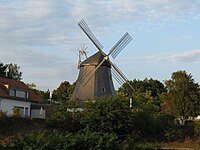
(6, 105)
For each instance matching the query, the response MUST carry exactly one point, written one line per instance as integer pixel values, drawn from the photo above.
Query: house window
(22, 94)
(12, 92)
(103, 90)
(21, 111)
(18, 93)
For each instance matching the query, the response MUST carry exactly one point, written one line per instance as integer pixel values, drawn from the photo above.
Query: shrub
(110, 115)
(64, 120)
(16, 112)
(2, 114)
(4, 121)
(57, 140)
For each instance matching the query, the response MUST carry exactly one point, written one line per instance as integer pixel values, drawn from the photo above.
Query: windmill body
(95, 76)
(99, 85)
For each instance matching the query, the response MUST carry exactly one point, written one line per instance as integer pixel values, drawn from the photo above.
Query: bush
(16, 112)
(64, 120)
(57, 140)
(110, 115)
(2, 114)
(4, 121)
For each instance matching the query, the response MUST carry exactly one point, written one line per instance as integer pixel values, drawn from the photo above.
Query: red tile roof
(17, 85)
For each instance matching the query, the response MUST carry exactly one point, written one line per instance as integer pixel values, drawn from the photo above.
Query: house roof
(94, 60)
(6, 84)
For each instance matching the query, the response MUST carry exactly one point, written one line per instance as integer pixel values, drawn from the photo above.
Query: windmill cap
(94, 60)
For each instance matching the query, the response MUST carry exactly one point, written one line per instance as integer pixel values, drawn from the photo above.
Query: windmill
(95, 75)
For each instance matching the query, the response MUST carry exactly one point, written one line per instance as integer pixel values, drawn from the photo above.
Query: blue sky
(42, 37)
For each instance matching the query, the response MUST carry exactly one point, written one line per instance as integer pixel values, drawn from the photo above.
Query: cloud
(182, 57)
(183, 38)
(42, 36)
(45, 69)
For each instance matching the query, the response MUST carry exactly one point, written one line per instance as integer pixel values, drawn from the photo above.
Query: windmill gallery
(96, 72)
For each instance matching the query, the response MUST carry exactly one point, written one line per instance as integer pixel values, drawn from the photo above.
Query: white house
(16, 94)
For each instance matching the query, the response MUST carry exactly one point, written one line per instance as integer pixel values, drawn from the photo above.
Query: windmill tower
(95, 75)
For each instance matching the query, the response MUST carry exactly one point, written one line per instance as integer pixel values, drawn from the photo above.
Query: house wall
(6, 105)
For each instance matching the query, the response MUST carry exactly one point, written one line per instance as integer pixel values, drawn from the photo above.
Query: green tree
(154, 86)
(183, 95)
(2, 70)
(108, 115)
(12, 71)
(146, 94)
(43, 94)
(65, 117)
(145, 102)
(63, 92)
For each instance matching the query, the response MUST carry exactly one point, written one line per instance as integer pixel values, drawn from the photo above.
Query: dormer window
(18, 93)
(12, 92)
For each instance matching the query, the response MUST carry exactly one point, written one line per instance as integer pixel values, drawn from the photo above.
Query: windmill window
(103, 90)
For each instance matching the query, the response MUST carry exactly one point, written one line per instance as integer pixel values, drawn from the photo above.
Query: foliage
(57, 140)
(3, 119)
(155, 87)
(2, 114)
(65, 117)
(183, 95)
(63, 92)
(12, 71)
(143, 101)
(108, 115)
(146, 95)
(2, 70)
(31, 85)
(16, 112)
(43, 94)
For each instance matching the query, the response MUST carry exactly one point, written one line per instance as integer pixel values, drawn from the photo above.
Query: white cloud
(183, 38)
(43, 35)
(181, 57)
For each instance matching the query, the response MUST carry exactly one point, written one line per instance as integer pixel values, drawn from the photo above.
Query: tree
(43, 94)
(2, 70)
(108, 115)
(63, 92)
(154, 86)
(183, 95)
(12, 72)
(146, 94)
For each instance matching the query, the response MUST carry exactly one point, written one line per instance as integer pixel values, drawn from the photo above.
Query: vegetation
(154, 87)
(110, 122)
(10, 71)
(2, 70)
(64, 141)
(183, 95)
(64, 92)
(16, 111)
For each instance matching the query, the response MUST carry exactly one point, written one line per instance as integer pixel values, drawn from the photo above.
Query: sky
(43, 38)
